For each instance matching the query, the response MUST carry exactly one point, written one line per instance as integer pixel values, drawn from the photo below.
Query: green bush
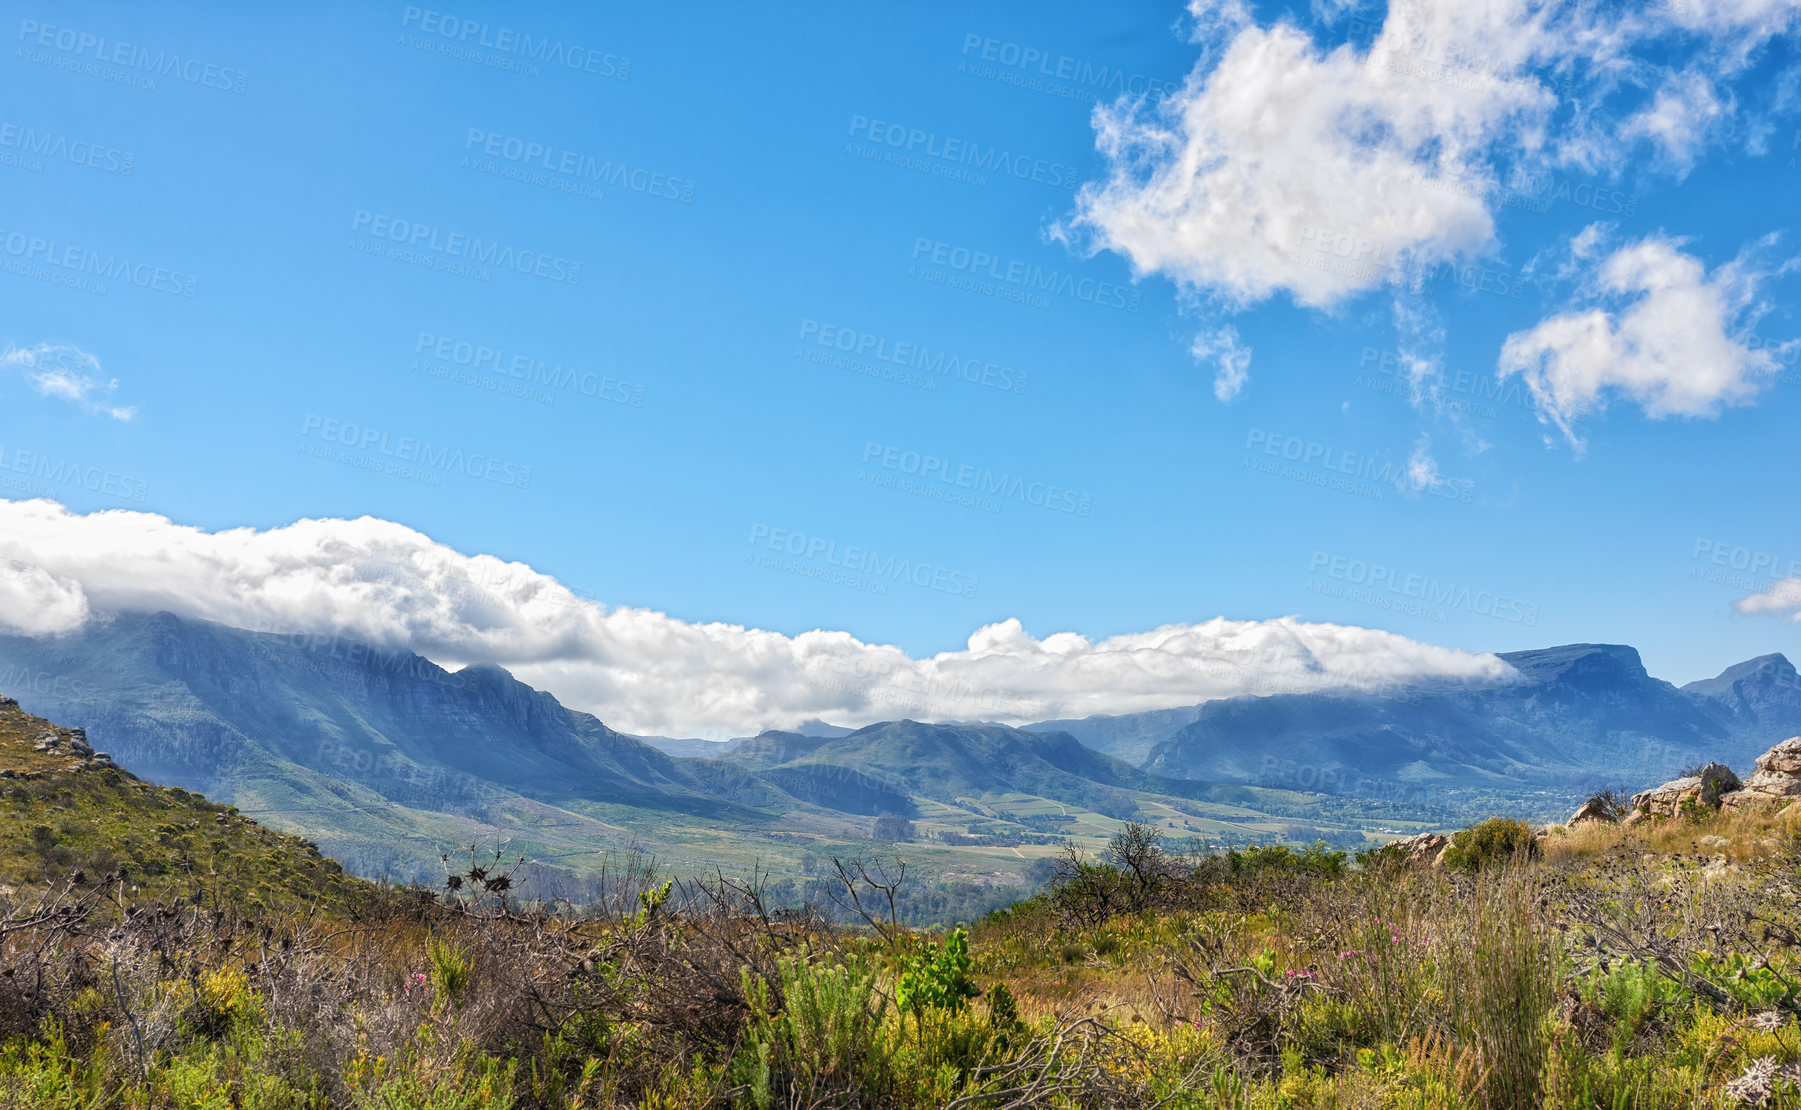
(1315, 860)
(1496, 840)
(941, 982)
(449, 968)
(823, 1041)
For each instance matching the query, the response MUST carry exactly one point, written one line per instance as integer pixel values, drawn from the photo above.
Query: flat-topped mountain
(1585, 710)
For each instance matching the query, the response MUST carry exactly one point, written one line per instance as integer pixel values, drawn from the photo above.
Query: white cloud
(1231, 358)
(641, 670)
(1783, 598)
(69, 374)
(1422, 468)
(1285, 166)
(1678, 119)
(1735, 28)
(36, 603)
(1663, 331)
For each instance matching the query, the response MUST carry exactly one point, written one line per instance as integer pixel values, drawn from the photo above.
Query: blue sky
(689, 429)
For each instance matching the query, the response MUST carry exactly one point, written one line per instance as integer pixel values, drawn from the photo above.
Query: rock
(1637, 816)
(1426, 848)
(1706, 789)
(1714, 843)
(1778, 777)
(1591, 812)
(1784, 757)
(1665, 800)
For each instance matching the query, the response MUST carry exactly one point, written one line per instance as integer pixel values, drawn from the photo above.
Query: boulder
(1591, 812)
(1706, 789)
(1426, 848)
(1665, 800)
(1778, 777)
(1784, 757)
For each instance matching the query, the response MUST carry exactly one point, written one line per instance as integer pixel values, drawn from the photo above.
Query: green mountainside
(66, 812)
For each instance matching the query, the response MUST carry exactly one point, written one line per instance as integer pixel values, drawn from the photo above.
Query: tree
(892, 826)
(1137, 851)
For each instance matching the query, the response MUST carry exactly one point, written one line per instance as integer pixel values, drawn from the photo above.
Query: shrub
(941, 982)
(824, 1043)
(1498, 840)
(1499, 977)
(1003, 1010)
(449, 967)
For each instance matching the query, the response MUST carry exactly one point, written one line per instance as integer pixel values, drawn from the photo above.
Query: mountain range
(385, 758)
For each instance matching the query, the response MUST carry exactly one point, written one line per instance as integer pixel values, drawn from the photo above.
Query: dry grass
(1755, 834)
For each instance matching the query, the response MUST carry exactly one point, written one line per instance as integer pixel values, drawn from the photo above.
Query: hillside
(1578, 714)
(386, 759)
(69, 812)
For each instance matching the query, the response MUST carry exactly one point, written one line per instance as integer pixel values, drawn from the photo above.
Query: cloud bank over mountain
(376, 581)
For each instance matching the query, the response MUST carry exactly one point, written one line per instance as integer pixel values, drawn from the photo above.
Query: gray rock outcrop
(1777, 779)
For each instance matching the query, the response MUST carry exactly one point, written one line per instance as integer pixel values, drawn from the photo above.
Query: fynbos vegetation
(1645, 962)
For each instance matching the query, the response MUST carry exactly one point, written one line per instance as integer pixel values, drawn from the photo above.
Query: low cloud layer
(640, 670)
